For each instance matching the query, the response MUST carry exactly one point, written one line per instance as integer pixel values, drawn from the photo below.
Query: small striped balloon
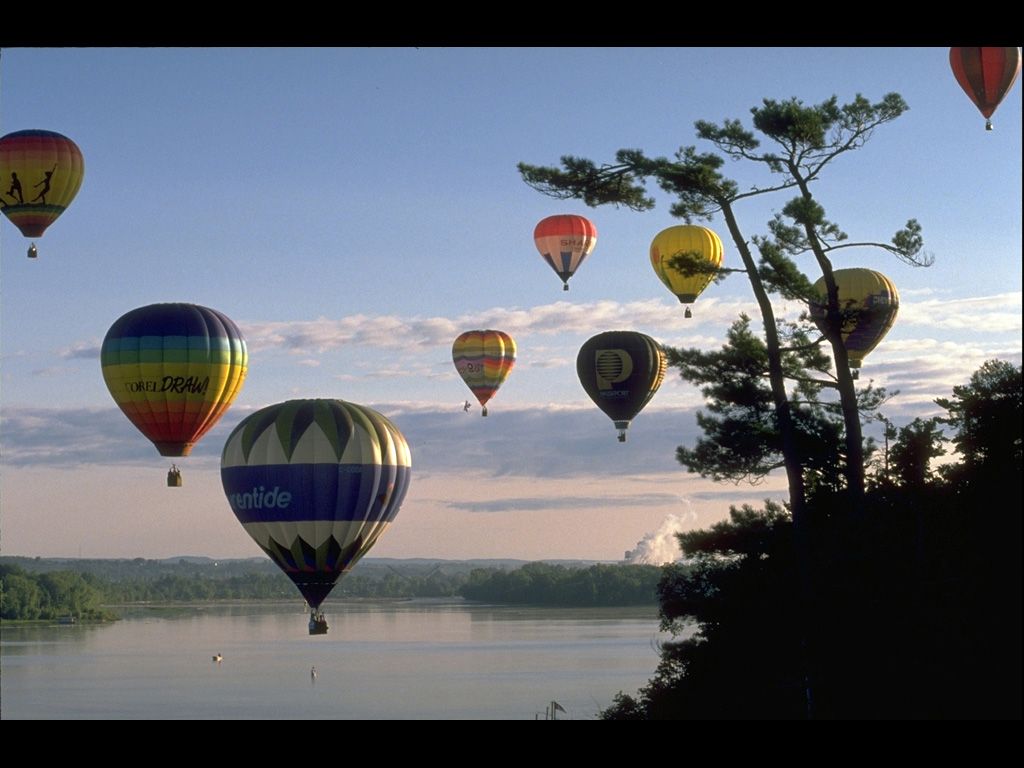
(484, 360)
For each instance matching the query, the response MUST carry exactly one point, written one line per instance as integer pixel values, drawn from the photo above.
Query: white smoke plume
(662, 546)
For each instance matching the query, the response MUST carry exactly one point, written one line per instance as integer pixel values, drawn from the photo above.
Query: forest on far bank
(87, 589)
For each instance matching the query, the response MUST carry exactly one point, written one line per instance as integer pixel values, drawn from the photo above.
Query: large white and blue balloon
(315, 483)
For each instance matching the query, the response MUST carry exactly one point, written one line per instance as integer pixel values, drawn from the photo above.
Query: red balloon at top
(986, 75)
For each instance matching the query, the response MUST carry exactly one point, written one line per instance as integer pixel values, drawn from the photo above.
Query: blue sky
(354, 210)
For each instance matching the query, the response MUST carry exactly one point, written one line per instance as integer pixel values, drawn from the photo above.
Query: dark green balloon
(621, 371)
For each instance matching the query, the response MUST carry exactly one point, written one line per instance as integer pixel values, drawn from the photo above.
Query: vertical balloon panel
(315, 483)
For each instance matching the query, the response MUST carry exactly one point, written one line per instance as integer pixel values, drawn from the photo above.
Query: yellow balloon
(685, 239)
(869, 302)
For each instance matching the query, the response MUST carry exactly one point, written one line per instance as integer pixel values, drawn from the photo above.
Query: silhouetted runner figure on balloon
(45, 184)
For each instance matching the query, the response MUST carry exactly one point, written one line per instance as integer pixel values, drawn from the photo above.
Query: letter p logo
(611, 366)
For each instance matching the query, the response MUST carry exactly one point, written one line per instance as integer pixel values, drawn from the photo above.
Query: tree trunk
(790, 451)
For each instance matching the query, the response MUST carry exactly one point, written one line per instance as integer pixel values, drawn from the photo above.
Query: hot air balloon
(174, 369)
(621, 371)
(315, 483)
(986, 75)
(40, 174)
(869, 303)
(565, 241)
(484, 360)
(686, 239)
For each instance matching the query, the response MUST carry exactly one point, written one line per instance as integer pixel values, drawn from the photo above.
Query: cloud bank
(541, 442)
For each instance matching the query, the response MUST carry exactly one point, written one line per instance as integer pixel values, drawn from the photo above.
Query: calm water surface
(416, 659)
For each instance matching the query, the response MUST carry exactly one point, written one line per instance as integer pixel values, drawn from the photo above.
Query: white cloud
(1000, 313)
(527, 503)
(54, 371)
(81, 350)
(542, 442)
(394, 332)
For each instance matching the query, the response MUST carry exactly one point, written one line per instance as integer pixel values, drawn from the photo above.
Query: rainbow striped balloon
(174, 369)
(484, 360)
(315, 483)
(40, 174)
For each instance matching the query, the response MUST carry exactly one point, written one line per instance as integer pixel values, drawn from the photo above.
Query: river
(413, 659)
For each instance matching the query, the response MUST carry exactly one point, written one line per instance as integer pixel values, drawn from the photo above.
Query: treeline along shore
(37, 589)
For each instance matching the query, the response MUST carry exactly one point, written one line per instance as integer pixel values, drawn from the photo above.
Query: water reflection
(409, 659)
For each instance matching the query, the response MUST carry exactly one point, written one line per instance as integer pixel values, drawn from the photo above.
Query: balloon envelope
(484, 359)
(869, 303)
(40, 174)
(986, 75)
(174, 369)
(701, 242)
(621, 371)
(315, 483)
(565, 241)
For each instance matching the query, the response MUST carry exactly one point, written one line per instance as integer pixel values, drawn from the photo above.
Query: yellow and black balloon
(621, 371)
(868, 304)
(40, 174)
